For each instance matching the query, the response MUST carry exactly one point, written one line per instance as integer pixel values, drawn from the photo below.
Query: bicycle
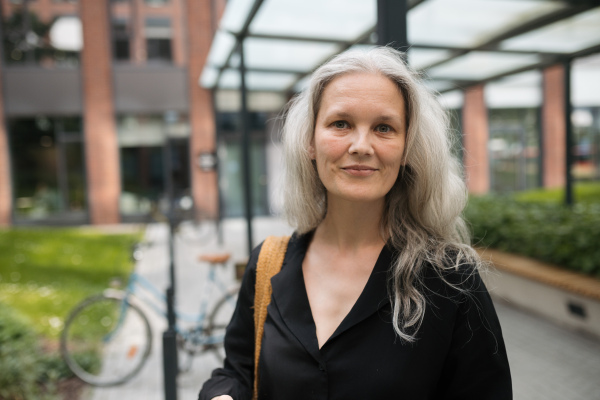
(107, 338)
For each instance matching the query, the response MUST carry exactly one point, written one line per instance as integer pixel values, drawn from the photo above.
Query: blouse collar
(291, 300)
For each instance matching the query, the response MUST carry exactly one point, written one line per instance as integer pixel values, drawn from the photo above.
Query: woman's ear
(311, 150)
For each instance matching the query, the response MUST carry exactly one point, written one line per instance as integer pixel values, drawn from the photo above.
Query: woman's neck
(349, 225)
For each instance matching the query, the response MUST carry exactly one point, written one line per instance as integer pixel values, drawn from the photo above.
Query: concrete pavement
(547, 361)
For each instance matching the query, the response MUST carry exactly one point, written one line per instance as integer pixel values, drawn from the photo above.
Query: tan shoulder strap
(269, 263)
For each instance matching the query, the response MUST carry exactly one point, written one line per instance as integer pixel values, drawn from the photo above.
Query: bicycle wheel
(217, 323)
(106, 339)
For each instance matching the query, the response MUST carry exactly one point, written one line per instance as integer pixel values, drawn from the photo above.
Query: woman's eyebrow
(384, 117)
(390, 118)
(339, 114)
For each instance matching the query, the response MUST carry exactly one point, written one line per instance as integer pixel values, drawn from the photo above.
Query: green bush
(583, 192)
(22, 371)
(568, 237)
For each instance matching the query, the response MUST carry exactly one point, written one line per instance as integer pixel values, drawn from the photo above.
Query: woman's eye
(340, 124)
(384, 128)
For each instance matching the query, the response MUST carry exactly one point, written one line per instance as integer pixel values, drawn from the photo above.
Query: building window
(514, 149)
(121, 40)
(143, 148)
(158, 39)
(156, 3)
(48, 169)
(586, 135)
(231, 170)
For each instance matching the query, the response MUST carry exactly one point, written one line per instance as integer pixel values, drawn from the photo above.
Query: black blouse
(459, 352)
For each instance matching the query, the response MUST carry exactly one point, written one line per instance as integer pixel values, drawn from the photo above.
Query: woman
(379, 294)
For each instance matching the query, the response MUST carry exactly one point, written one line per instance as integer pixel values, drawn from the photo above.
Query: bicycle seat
(215, 258)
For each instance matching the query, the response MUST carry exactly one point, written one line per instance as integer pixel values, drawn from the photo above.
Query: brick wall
(202, 138)
(475, 141)
(5, 184)
(136, 11)
(101, 147)
(554, 127)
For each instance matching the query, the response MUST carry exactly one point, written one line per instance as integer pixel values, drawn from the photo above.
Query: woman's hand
(223, 397)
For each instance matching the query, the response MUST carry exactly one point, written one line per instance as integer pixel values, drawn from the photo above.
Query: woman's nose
(361, 142)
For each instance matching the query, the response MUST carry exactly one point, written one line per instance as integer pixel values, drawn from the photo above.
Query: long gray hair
(422, 219)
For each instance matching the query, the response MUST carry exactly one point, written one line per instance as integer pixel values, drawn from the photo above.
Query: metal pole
(540, 135)
(220, 202)
(62, 168)
(391, 24)
(170, 362)
(245, 147)
(569, 199)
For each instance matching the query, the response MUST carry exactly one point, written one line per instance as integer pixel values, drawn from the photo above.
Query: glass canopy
(468, 23)
(332, 19)
(566, 36)
(453, 42)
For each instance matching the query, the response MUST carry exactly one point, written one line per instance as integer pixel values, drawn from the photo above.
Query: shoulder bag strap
(269, 263)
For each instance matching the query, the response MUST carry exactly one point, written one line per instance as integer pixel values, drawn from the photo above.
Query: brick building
(92, 90)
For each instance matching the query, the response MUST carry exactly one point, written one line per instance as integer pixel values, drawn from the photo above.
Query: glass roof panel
(438, 86)
(287, 55)
(519, 90)
(230, 79)
(452, 100)
(421, 58)
(362, 47)
(209, 76)
(302, 84)
(567, 36)
(270, 81)
(478, 65)
(467, 23)
(331, 19)
(585, 81)
(221, 47)
(235, 15)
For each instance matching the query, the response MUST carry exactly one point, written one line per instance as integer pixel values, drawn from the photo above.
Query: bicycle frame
(156, 300)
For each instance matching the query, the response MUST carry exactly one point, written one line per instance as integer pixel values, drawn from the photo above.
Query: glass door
(48, 170)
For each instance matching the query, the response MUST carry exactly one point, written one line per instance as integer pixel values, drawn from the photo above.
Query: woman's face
(359, 137)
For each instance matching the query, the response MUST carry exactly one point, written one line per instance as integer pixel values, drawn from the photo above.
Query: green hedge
(26, 372)
(583, 192)
(568, 237)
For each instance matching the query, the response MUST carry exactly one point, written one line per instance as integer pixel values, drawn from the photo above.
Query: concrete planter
(563, 296)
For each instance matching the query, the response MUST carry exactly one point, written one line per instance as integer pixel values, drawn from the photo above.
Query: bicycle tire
(105, 342)
(217, 322)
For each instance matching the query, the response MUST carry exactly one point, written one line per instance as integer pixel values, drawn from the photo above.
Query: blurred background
(112, 111)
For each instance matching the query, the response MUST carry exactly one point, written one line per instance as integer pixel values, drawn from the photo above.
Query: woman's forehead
(362, 90)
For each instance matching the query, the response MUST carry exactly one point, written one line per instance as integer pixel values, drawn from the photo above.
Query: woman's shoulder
(294, 240)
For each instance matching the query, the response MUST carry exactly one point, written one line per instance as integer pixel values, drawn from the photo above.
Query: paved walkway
(547, 361)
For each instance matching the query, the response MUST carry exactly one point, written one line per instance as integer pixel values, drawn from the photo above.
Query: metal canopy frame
(494, 43)
(566, 10)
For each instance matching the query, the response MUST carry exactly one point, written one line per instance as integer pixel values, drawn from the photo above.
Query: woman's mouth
(359, 170)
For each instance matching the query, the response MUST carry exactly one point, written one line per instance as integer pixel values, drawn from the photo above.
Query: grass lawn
(44, 272)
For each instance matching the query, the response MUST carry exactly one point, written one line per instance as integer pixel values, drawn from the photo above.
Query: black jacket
(459, 353)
